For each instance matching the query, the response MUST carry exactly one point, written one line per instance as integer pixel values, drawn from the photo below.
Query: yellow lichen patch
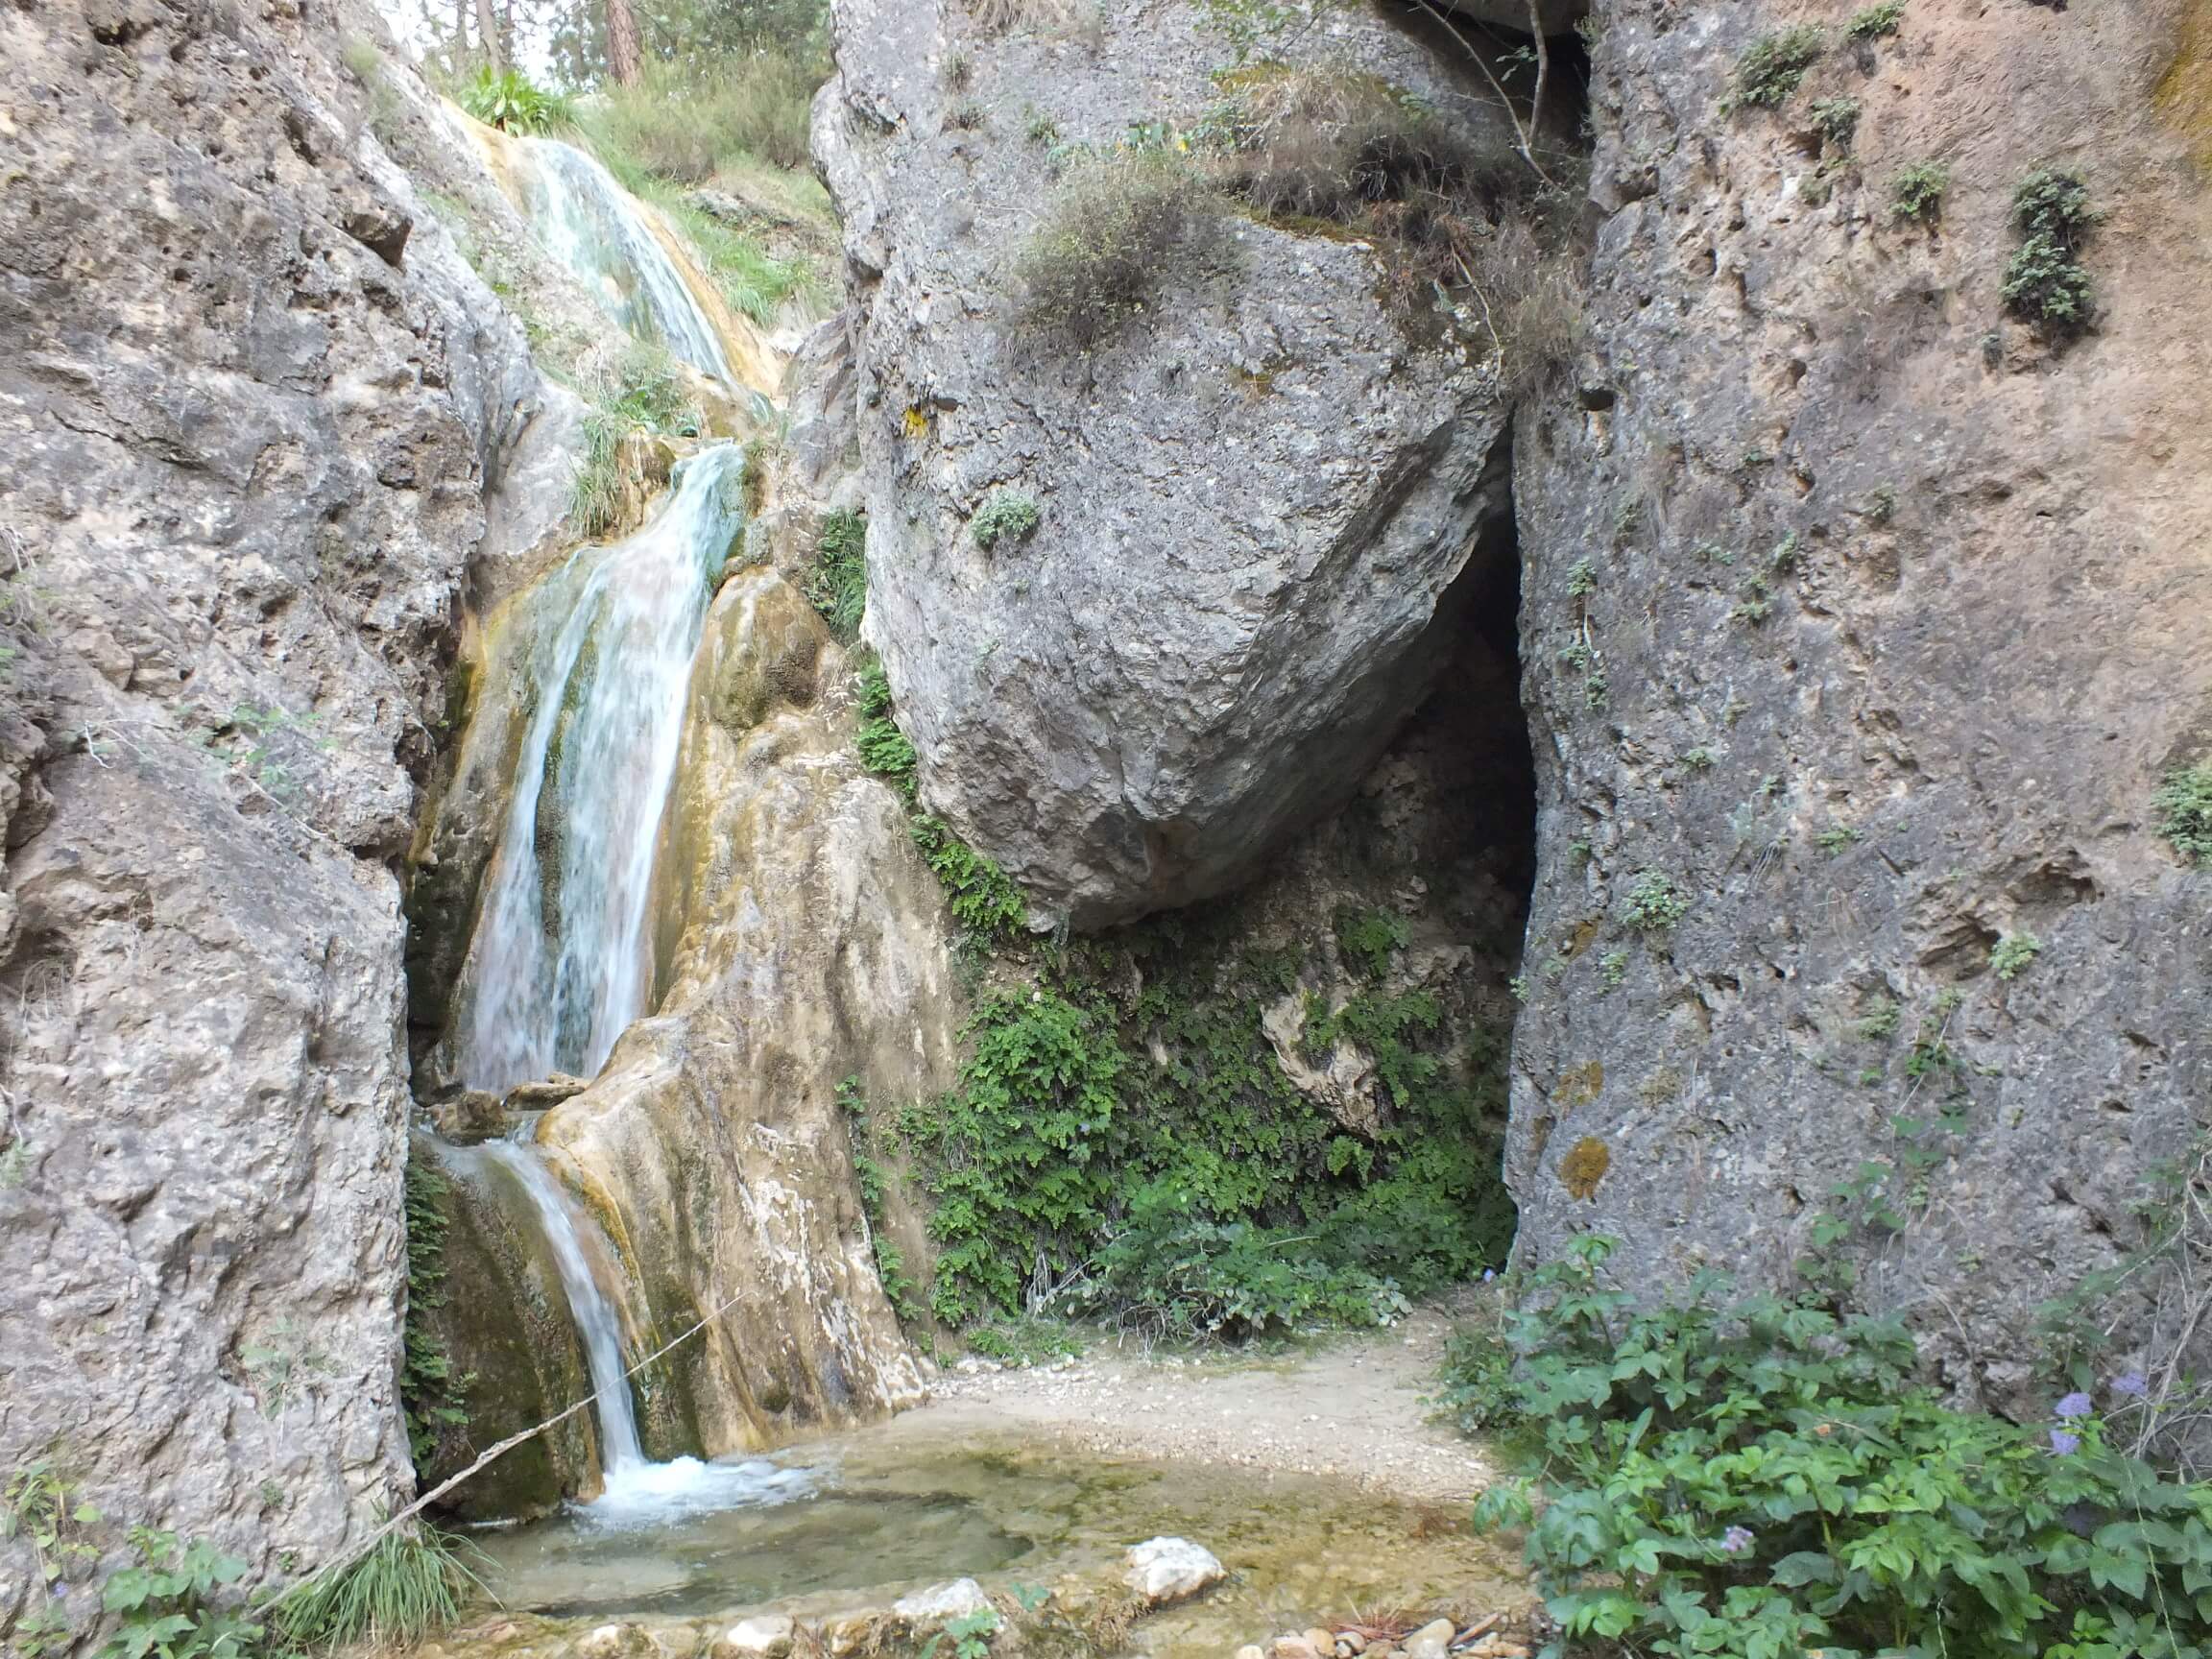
(2184, 93)
(1580, 1085)
(917, 422)
(1584, 1166)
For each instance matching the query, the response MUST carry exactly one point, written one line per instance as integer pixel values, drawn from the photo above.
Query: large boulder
(1255, 498)
(1905, 611)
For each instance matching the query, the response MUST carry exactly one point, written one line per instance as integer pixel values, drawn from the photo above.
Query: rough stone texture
(243, 459)
(1979, 686)
(1254, 498)
(802, 942)
(941, 1603)
(1164, 1570)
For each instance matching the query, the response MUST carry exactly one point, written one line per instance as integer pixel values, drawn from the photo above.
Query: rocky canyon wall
(1863, 619)
(251, 407)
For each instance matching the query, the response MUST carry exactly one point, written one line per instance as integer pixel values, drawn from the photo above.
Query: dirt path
(1351, 1407)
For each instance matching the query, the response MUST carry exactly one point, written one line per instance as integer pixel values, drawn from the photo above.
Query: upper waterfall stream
(585, 220)
(560, 958)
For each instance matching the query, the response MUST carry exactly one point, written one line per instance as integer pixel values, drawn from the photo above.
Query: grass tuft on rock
(1774, 65)
(1121, 229)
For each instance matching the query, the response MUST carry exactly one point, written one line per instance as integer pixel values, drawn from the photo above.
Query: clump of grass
(752, 281)
(1006, 515)
(1916, 192)
(2012, 954)
(1119, 229)
(686, 124)
(1655, 902)
(838, 585)
(2182, 807)
(414, 1581)
(1873, 22)
(1527, 299)
(638, 387)
(2045, 282)
(1774, 65)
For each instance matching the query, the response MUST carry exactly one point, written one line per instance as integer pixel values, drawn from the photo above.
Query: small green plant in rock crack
(1582, 579)
(2012, 954)
(1774, 65)
(884, 750)
(1698, 759)
(1756, 605)
(1878, 1023)
(837, 582)
(1784, 559)
(1367, 938)
(1837, 838)
(1916, 191)
(1881, 504)
(1627, 520)
(1006, 515)
(1873, 22)
(1836, 121)
(1655, 902)
(969, 1635)
(1612, 971)
(2182, 807)
(2045, 283)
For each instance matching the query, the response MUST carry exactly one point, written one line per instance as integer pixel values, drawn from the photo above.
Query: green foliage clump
(636, 388)
(884, 749)
(2045, 282)
(1916, 192)
(753, 282)
(1006, 515)
(982, 897)
(429, 1393)
(1367, 938)
(510, 101)
(1836, 121)
(2182, 805)
(687, 121)
(1655, 902)
(837, 582)
(1774, 65)
(1119, 229)
(1874, 22)
(416, 1579)
(1765, 1478)
(2012, 954)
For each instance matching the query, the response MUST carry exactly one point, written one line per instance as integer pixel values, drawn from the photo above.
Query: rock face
(251, 406)
(1904, 613)
(802, 943)
(1255, 500)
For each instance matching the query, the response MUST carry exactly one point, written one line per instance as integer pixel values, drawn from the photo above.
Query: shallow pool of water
(849, 1523)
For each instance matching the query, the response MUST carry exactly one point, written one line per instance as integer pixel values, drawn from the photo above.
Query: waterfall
(561, 960)
(595, 228)
(619, 1448)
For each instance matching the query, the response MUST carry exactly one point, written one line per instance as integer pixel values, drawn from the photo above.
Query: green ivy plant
(1764, 1479)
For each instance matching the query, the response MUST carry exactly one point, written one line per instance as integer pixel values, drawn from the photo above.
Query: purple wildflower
(2133, 1383)
(1736, 1540)
(2074, 1405)
(2066, 1445)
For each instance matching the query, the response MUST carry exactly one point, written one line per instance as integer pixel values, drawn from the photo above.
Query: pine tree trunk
(622, 54)
(488, 31)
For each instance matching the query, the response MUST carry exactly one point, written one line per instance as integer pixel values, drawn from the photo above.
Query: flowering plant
(1766, 1480)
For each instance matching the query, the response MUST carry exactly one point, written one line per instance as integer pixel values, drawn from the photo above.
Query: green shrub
(1873, 22)
(1006, 515)
(1836, 121)
(415, 1580)
(1774, 65)
(1655, 902)
(2045, 282)
(510, 101)
(1916, 191)
(637, 387)
(2182, 805)
(884, 749)
(2012, 954)
(837, 584)
(687, 123)
(1118, 230)
(1368, 938)
(983, 898)
(1766, 1479)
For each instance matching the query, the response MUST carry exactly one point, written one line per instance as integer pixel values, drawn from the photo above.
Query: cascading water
(593, 226)
(560, 962)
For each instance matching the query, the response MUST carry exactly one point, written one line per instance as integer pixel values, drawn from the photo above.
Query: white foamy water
(561, 960)
(585, 220)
